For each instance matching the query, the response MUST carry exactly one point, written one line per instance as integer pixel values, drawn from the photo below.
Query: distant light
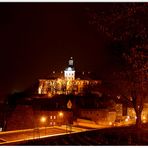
(131, 99)
(43, 119)
(61, 114)
(144, 118)
(110, 123)
(49, 95)
(1, 129)
(53, 72)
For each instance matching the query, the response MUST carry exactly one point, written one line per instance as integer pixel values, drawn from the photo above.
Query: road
(21, 135)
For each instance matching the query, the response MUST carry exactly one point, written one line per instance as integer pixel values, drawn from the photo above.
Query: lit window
(50, 117)
(54, 117)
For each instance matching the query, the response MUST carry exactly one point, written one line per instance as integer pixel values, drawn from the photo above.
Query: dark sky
(37, 38)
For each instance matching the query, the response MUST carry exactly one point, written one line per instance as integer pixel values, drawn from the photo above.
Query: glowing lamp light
(144, 118)
(61, 114)
(49, 95)
(110, 123)
(43, 119)
(128, 117)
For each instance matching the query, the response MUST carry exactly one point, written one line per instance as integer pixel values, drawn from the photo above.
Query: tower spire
(70, 63)
(69, 72)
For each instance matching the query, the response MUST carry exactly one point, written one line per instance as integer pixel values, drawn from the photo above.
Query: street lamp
(61, 116)
(43, 120)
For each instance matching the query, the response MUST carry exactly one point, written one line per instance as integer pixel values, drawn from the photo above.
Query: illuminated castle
(66, 85)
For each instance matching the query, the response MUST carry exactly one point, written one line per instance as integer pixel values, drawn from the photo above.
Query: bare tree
(136, 76)
(123, 22)
(126, 23)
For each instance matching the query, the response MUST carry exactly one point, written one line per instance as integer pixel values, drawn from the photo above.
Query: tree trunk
(138, 127)
(138, 120)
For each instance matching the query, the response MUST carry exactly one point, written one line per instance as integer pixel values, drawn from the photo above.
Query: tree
(137, 79)
(122, 22)
(126, 23)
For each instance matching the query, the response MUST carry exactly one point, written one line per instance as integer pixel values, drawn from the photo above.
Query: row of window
(52, 117)
(70, 78)
(70, 74)
(52, 123)
(55, 83)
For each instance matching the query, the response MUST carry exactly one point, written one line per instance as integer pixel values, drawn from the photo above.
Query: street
(36, 133)
(21, 135)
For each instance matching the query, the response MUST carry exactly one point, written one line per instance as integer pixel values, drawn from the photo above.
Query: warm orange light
(110, 123)
(144, 117)
(43, 119)
(61, 114)
(49, 95)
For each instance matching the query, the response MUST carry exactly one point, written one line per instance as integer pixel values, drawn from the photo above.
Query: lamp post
(43, 120)
(61, 116)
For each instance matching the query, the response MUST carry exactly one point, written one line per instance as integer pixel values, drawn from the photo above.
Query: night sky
(37, 38)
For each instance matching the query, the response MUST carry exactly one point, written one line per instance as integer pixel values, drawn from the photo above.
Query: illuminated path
(21, 135)
(11, 137)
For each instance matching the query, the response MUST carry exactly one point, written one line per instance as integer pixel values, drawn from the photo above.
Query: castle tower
(69, 73)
